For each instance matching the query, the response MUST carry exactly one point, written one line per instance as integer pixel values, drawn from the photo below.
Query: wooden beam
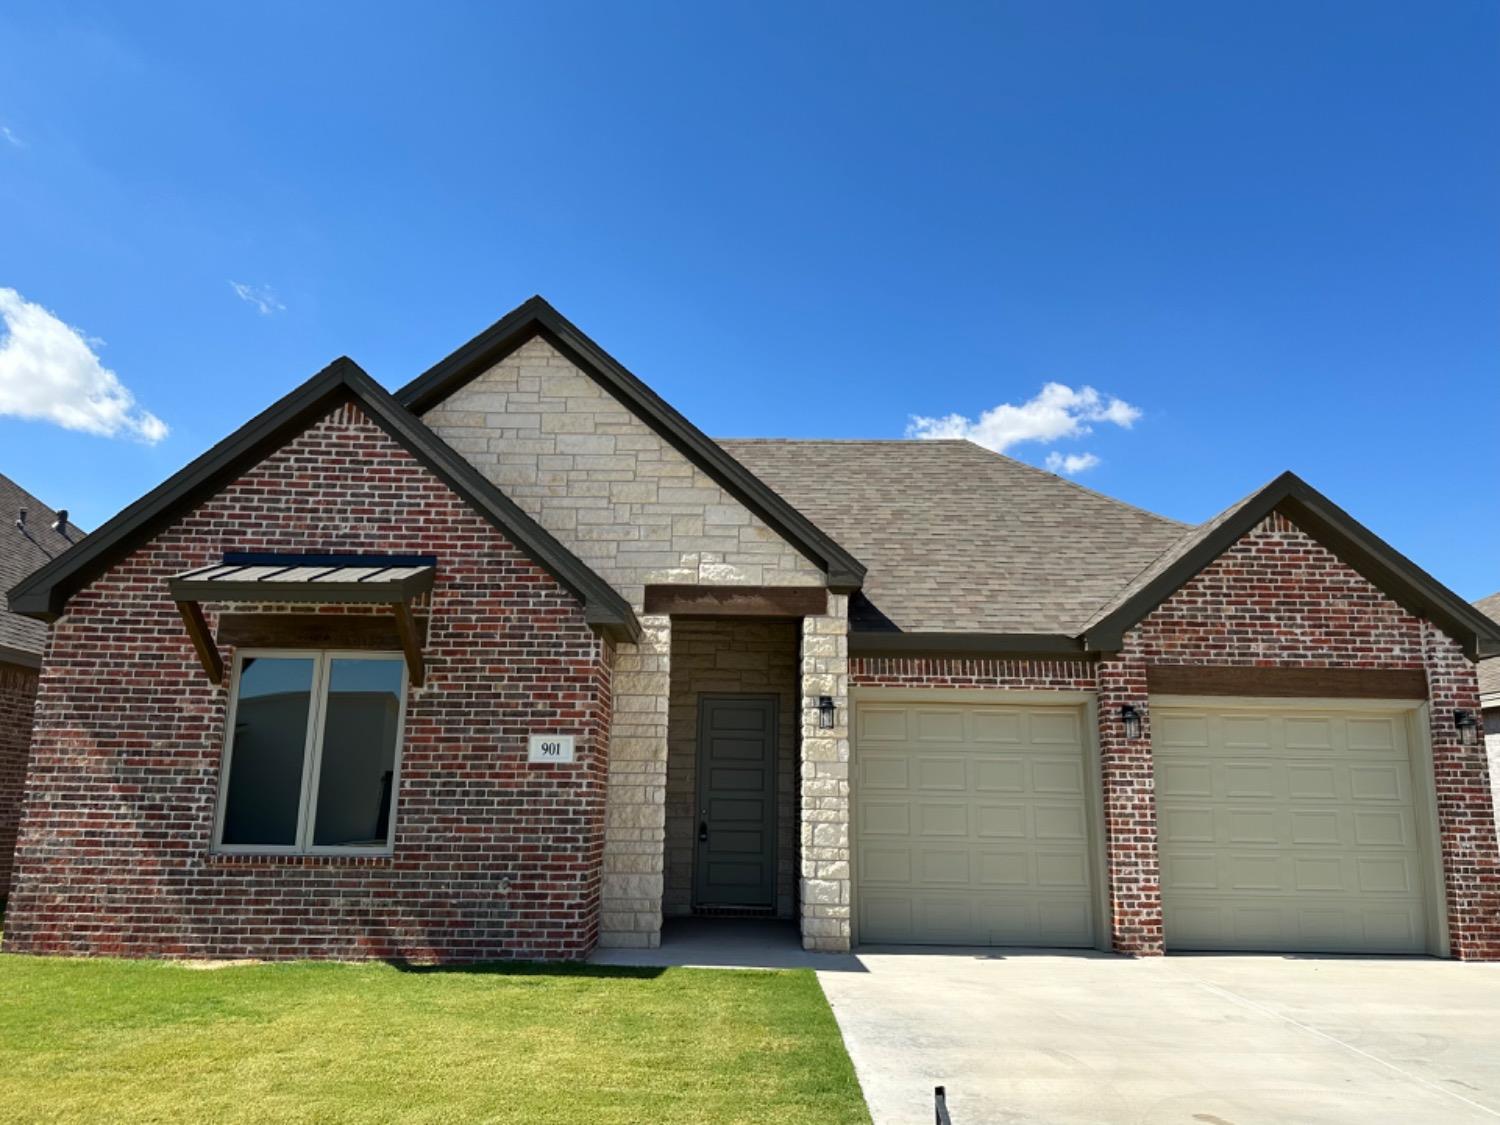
(311, 630)
(411, 643)
(1287, 683)
(197, 630)
(737, 601)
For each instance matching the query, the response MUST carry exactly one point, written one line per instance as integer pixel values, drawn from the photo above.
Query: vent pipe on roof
(21, 521)
(60, 524)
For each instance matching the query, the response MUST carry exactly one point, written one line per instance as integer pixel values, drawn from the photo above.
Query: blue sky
(1267, 235)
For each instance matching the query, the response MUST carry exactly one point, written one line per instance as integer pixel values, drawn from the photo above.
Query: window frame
(312, 753)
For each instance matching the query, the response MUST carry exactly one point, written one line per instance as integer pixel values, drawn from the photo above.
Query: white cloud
(1057, 412)
(49, 373)
(263, 297)
(1070, 464)
(11, 137)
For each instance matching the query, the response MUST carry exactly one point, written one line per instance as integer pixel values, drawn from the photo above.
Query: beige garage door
(1290, 830)
(972, 825)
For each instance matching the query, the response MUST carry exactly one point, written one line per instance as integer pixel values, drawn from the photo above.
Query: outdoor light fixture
(1468, 727)
(825, 712)
(1132, 720)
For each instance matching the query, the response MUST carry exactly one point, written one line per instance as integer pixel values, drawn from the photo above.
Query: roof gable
(44, 594)
(538, 318)
(1381, 565)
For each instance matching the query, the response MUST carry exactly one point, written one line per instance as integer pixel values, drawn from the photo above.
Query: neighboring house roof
(21, 552)
(537, 318)
(959, 539)
(44, 595)
(1489, 670)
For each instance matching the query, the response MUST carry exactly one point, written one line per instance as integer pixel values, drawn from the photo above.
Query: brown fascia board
(997, 646)
(1383, 566)
(45, 593)
(538, 318)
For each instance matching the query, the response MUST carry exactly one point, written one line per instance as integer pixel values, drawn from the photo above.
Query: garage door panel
(1311, 848)
(997, 725)
(942, 774)
(885, 866)
(983, 837)
(951, 866)
(1186, 824)
(946, 818)
(1004, 869)
(1185, 779)
(1060, 822)
(1000, 775)
(1000, 822)
(1379, 783)
(883, 771)
(1056, 728)
(885, 818)
(1313, 782)
(1384, 829)
(1253, 826)
(1062, 869)
(1058, 775)
(882, 724)
(1315, 828)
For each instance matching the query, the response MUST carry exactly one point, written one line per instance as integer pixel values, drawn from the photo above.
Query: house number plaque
(550, 748)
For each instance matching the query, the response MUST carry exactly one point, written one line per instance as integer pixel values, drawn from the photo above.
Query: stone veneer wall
(637, 511)
(17, 704)
(826, 894)
(729, 657)
(635, 812)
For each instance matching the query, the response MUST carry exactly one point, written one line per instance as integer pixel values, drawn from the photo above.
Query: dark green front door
(735, 864)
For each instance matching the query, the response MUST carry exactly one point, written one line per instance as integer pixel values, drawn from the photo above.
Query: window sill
(298, 859)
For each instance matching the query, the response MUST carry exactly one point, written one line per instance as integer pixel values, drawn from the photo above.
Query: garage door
(972, 825)
(1290, 830)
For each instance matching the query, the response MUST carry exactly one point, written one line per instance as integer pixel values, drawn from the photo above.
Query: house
(516, 661)
(1489, 700)
(30, 534)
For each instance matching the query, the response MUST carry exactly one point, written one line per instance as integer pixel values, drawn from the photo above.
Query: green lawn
(133, 1041)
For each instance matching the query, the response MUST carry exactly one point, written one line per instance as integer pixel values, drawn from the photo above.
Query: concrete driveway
(1056, 1038)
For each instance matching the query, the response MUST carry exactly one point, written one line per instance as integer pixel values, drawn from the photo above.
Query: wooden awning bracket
(203, 641)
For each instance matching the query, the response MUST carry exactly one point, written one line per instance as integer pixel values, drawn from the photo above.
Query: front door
(735, 864)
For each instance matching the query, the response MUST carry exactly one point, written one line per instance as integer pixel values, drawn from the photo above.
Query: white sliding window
(312, 756)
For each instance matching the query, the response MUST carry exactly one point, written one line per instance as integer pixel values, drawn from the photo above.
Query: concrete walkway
(1055, 1038)
(729, 943)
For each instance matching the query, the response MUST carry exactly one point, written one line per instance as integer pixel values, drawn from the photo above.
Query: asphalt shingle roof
(959, 539)
(22, 553)
(1489, 670)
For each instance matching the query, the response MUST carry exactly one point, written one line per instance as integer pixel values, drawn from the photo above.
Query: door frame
(1416, 714)
(701, 699)
(1085, 702)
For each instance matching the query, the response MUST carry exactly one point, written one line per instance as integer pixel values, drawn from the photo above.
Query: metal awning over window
(390, 580)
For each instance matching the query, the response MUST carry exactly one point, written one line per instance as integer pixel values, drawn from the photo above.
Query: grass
(142, 1041)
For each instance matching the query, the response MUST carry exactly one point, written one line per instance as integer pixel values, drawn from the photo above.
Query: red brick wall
(17, 698)
(494, 858)
(1466, 822)
(971, 672)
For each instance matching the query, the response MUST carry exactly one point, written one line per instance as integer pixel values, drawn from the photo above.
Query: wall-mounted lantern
(1131, 718)
(1468, 727)
(825, 712)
